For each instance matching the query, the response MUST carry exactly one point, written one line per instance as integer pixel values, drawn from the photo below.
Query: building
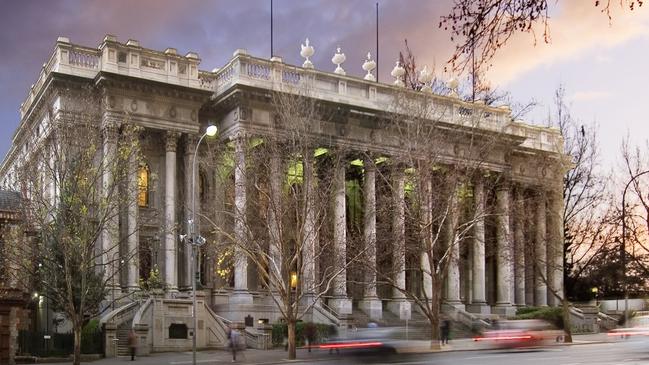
(173, 101)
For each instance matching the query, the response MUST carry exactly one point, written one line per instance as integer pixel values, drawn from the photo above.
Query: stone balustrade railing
(126, 59)
(275, 75)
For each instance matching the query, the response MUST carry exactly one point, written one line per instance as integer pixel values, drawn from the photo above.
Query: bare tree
(480, 28)
(291, 177)
(73, 185)
(430, 181)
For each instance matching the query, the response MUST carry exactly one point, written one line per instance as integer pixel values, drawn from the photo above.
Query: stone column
(555, 246)
(171, 265)
(241, 294)
(540, 253)
(274, 214)
(453, 275)
(190, 147)
(398, 305)
(427, 215)
(340, 302)
(503, 253)
(519, 248)
(110, 230)
(371, 304)
(479, 296)
(310, 231)
(133, 238)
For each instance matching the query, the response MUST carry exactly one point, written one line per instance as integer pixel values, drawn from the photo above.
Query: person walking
(132, 343)
(446, 331)
(234, 343)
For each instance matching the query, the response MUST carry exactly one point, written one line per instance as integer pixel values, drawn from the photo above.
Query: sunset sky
(602, 65)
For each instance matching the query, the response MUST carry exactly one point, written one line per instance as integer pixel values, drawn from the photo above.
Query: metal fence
(58, 344)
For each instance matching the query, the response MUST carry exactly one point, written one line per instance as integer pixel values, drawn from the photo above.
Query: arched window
(143, 186)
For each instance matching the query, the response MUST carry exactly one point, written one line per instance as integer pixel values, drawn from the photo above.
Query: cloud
(577, 28)
(589, 95)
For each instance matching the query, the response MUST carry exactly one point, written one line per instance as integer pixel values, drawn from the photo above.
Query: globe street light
(623, 251)
(194, 238)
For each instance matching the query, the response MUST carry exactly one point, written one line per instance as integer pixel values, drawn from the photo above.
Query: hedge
(322, 332)
(553, 315)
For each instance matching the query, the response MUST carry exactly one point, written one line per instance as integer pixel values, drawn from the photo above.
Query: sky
(602, 64)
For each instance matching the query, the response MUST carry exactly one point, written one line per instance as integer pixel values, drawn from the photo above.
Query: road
(612, 353)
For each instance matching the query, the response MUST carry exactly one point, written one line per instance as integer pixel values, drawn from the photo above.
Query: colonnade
(525, 246)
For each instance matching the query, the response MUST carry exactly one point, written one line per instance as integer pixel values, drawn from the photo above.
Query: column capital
(109, 130)
(190, 143)
(171, 141)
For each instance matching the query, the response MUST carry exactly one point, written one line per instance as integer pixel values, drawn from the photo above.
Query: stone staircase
(122, 338)
(418, 324)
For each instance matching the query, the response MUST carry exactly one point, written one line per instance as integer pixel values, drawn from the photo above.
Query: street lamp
(194, 238)
(623, 252)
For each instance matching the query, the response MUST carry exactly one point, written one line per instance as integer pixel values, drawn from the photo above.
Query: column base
(478, 308)
(372, 306)
(240, 297)
(455, 304)
(342, 305)
(504, 309)
(401, 308)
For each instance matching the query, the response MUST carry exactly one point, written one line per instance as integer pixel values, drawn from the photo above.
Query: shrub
(323, 331)
(91, 338)
(553, 315)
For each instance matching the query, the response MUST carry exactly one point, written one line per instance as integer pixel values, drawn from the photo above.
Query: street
(609, 353)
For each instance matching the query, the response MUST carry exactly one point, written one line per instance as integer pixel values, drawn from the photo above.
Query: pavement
(279, 356)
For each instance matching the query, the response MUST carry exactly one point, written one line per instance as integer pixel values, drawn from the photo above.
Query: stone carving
(172, 112)
(134, 105)
(338, 60)
(368, 66)
(397, 72)
(192, 115)
(110, 100)
(452, 84)
(306, 52)
(425, 77)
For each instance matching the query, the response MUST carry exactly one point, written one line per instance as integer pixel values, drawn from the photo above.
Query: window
(121, 57)
(143, 186)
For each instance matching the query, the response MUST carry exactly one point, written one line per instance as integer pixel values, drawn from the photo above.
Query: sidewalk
(279, 356)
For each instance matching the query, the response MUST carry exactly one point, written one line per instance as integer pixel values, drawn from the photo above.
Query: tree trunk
(566, 320)
(77, 343)
(435, 309)
(291, 340)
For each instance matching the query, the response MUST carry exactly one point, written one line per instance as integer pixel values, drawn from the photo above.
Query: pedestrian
(234, 342)
(132, 343)
(310, 334)
(446, 331)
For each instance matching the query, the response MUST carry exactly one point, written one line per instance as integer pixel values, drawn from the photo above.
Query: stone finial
(397, 72)
(239, 51)
(453, 84)
(63, 40)
(368, 66)
(192, 55)
(338, 60)
(425, 77)
(110, 38)
(171, 51)
(133, 43)
(306, 52)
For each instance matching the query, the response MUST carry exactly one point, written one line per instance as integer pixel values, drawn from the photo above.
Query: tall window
(143, 186)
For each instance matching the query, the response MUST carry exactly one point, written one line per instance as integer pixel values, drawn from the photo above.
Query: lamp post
(623, 251)
(194, 238)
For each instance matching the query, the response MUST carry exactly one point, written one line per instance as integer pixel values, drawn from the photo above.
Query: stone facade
(173, 102)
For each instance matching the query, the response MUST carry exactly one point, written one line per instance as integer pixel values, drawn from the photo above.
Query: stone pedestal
(372, 307)
(110, 338)
(401, 308)
(506, 310)
(142, 333)
(478, 308)
(240, 297)
(341, 305)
